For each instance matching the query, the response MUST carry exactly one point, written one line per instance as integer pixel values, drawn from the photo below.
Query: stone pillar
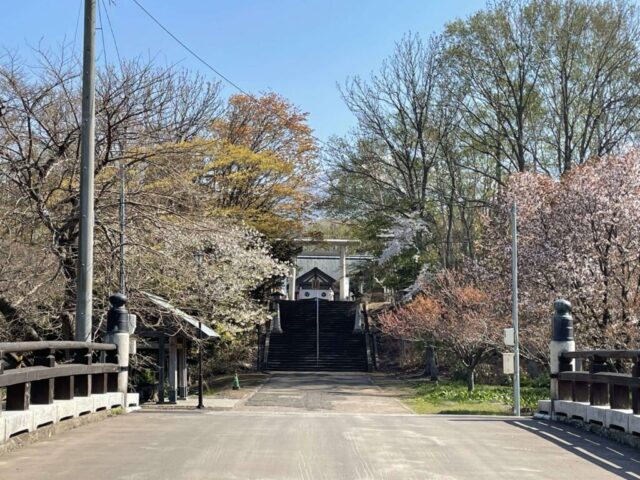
(161, 368)
(118, 333)
(173, 369)
(561, 341)
(357, 326)
(275, 325)
(183, 385)
(344, 280)
(292, 283)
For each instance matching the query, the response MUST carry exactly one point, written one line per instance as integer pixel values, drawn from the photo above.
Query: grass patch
(453, 398)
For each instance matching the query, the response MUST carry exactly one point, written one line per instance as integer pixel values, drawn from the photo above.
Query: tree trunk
(67, 255)
(471, 373)
(431, 367)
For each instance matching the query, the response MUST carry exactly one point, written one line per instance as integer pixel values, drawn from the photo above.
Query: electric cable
(209, 66)
(113, 36)
(188, 49)
(101, 27)
(75, 33)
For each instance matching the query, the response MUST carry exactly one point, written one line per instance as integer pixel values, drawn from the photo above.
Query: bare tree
(397, 118)
(590, 77)
(142, 111)
(497, 55)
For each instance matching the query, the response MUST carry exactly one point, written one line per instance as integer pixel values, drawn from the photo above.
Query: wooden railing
(41, 372)
(598, 385)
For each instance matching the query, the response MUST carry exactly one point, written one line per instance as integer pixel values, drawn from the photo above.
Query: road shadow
(617, 459)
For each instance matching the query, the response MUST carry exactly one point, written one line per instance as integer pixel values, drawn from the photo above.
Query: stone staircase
(302, 347)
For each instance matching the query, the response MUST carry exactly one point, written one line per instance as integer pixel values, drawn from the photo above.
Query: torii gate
(341, 245)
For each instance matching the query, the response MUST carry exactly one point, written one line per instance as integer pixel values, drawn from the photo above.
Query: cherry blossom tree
(579, 238)
(453, 310)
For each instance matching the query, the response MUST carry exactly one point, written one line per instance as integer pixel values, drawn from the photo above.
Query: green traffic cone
(236, 382)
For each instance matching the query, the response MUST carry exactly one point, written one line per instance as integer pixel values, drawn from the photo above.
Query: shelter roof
(176, 312)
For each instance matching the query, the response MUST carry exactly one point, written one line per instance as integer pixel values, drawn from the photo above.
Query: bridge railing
(41, 372)
(598, 385)
(584, 384)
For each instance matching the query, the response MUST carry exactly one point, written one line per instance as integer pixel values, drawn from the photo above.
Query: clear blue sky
(298, 48)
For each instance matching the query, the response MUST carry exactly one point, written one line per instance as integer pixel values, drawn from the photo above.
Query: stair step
(296, 348)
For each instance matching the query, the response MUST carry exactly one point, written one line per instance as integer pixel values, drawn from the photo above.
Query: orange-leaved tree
(261, 163)
(455, 312)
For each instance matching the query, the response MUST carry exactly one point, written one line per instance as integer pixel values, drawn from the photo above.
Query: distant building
(316, 284)
(322, 270)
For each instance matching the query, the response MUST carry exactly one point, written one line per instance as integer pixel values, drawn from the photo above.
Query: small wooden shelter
(170, 339)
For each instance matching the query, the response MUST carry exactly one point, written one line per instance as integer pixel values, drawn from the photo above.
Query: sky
(300, 49)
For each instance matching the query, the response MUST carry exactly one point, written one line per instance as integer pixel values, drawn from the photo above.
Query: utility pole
(514, 309)
(84, 301)
(123, 192)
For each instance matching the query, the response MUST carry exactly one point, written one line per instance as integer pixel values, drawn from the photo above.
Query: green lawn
(453, 397)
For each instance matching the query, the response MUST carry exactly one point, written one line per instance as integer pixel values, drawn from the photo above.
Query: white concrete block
(17, 421)
(100, 401)
(2, 429)
(597, 414)
(39, 415)
(544, 406)
(562, 407)
(43, 415)
(133, 399)
(84, 405)
(618, 418)
(571, 409)
(65, 409)
(634, 424)
(116, 399)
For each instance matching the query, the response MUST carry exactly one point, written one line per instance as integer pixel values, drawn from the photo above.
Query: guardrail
(41, 372)
(598, 385)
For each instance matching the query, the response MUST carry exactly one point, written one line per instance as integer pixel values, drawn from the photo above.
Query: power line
(75, 34)
(104, 45)
(202, 60)
(209, 66)
(113, 36)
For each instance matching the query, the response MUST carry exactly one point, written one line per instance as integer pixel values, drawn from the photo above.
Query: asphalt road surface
(320, 427)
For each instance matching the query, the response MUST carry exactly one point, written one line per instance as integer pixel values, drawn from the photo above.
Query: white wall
(302, 294)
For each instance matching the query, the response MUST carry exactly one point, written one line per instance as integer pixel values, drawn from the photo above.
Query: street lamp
(199, 256)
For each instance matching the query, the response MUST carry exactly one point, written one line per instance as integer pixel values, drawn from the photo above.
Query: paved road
(329, 392)
(315, 432)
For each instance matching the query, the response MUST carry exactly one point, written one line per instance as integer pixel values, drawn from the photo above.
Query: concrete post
(118, 333)
(344, 280)
(84, 302)
(161, 370)
(173, 369)
(275, 325)
(357, 327)
(292, 283)
(182, 371)
(561, 341)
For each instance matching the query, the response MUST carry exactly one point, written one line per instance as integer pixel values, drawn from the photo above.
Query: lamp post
(199, 255)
